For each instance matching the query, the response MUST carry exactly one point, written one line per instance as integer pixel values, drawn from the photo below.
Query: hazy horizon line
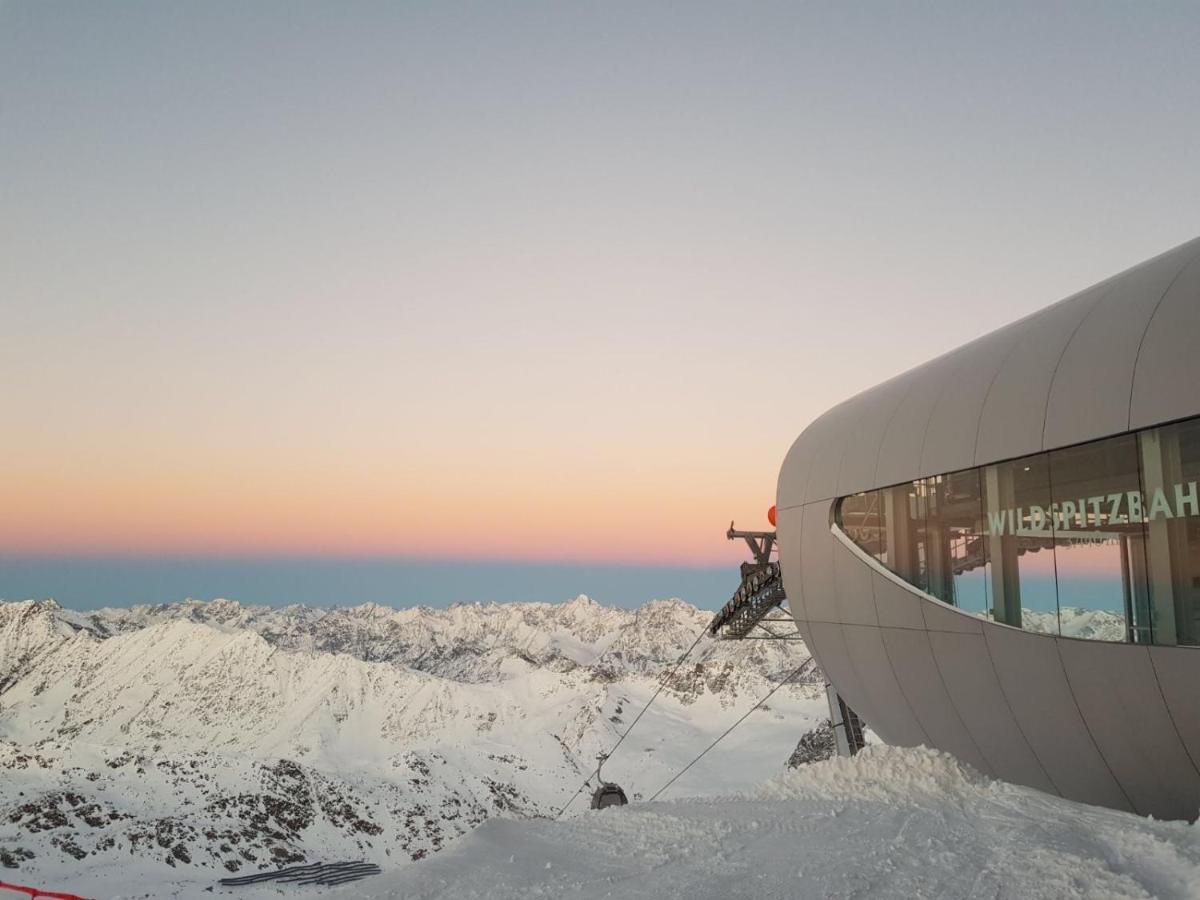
(88, 582)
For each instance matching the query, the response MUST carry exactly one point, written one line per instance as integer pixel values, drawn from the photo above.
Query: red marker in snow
(34, 893)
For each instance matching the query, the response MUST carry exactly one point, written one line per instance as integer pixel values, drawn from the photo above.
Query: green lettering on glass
(995, 522)
(1159, 508)
(1037, 518)
(1066, 514)
(1187, 504)
(1135, 506)
(1114, 509)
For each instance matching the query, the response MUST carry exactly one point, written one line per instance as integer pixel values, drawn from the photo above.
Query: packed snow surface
(888, 823)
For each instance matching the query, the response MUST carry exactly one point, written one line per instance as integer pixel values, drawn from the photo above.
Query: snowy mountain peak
(29, 630)
(222, 737)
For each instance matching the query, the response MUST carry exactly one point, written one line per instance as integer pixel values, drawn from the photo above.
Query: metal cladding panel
(954, 424)
(1117, 694)
(816, 564)
(852, 580)
(940, 617)
(793, 474)
(1033, 680)
(806, 634)
(860, 456)
(900, 449)
(1089, 397)
(919, 679)
(809, 449)
(896, 606)
(788, 531)
(829, 645)
(1166, 383)
(1178, 672)
(1014, 413)
(837, 434)
(974, 689)
(894, 720)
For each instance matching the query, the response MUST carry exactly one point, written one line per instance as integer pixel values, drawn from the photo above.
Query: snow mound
(878, 773)
(892, 823)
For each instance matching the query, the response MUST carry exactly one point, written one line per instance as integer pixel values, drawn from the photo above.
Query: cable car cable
(663, 684)
(746, 715)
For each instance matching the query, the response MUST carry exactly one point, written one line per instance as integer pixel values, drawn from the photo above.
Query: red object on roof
(34, 893)
(771, 516)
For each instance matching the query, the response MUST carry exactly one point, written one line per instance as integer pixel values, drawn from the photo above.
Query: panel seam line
(987, 646)
(1170, 715)
(1145, 331)
(1062, 353)
(1091, 737)
(988, 393)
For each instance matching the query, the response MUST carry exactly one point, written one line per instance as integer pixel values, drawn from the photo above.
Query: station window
(1170, 461)
(1098, 541)
(859, 517)
(1020, 542)
(954, 525)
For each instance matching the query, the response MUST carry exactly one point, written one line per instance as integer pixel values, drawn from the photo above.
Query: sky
(525, 283)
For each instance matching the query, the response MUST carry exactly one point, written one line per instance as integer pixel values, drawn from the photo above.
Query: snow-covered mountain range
(191, 740)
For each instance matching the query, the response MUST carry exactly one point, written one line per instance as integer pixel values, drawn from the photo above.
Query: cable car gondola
(608, 793)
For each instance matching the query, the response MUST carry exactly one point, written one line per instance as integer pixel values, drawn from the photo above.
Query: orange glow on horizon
(643, 512)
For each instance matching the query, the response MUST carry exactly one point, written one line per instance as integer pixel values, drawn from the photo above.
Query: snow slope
(149, 752)
(176, 744)
(888, 823)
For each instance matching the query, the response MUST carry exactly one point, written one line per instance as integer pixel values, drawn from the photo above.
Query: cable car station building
(997, 554)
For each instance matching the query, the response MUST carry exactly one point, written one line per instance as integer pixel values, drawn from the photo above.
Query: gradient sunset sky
(524, 281)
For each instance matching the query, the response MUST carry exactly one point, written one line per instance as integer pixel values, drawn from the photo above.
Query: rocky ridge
(219, 737)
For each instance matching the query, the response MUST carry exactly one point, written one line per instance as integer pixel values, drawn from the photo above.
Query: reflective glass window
(905, 508)
(1098, 541)
(954, 527)
(1096, 513)
(1170, 460)
(1020, 544)
(859, 518)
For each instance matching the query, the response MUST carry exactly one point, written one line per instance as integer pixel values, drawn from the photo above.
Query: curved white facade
(1112, 722)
